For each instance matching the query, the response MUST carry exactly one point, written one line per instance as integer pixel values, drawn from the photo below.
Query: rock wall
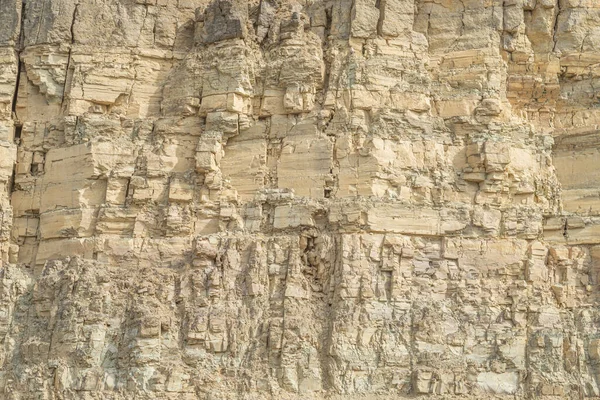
(299, 199)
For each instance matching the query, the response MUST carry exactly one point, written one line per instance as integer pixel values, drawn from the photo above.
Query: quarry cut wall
(299, 199)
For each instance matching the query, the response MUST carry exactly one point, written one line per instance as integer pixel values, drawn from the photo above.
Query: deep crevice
(18, 50)
(380, 4)
(555, 26)
(67, 83)
(326, 46)
(17, 83)
(18, 125)
(18, 132)
(73, 23)
(11, 184)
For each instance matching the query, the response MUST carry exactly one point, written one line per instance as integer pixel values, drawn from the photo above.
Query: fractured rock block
(224, 20)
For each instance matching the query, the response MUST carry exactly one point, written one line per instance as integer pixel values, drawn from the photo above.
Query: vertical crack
(17, 83)
(18, 125)
(18, 50)
(153, 27)
(380, 4)
(67, 84)
(73, 23)
(39, 27)
(327, 45)
(11, 184)
(555, 27)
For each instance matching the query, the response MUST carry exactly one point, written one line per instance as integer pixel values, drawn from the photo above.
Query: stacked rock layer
(299, 199)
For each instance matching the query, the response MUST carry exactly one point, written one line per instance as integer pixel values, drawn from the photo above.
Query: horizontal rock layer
(341, 199)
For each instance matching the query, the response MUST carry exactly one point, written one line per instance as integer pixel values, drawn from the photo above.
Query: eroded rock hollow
(299, 199)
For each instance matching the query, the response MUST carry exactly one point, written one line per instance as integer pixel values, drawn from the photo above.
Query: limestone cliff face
(299, 199)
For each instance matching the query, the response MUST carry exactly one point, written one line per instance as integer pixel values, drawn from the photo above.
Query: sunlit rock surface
(299, 199)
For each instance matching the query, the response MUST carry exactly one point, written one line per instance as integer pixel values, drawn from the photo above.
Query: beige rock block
(365, 99)
(102, 89)
(78, 159)
(213, 103)
(114, 248)
(177, 156)
(292, 100)
(398, 218)
(537, 270)
(515, 350)
(67, 223)
(180, 191)
(272, 103)
(505, 257)
(8, 155)
(26, 201)
(73, 194)
(504, 383)
(7, 131)
(115, 221)
(24, 227)
(422, 382)
(209, 152)
(450, 248)
(402, 100)
(364, 18)
(86, 161)
(522, 160)
(488, 219)
(474, 176)
(8, 79)
(60, 248)
(304, 165)
(311, 381)
(226, 123)
(204, 189)
(587, 235)
(45, 65)
(547, 316)
(288, 216)
(577, 172)
(244, 163)
(238, 104)
(206, 161)
(398, 17)
(497, 156)
(116, 191)
(456, 108)
(583, 201)
(594, 349)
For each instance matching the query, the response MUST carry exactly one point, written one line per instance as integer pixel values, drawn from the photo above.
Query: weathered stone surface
(284, 199)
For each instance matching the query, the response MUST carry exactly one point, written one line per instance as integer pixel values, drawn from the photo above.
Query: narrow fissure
(327, 45)
(18, 50)
(67, 84)
(380, 4)
(11, 184)
(17, 83)
(18, 132)
(17, 123)
(555, 27)
(127, 192)
(73, 23)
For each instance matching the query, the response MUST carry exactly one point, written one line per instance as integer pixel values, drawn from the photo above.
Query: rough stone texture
(295, 199)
